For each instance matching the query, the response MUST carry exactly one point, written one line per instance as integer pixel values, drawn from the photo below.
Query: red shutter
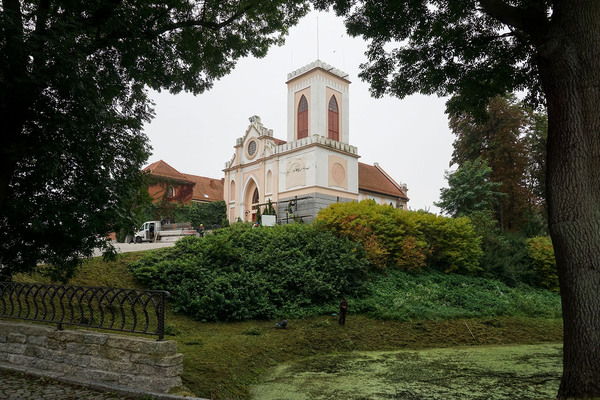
(333, 120)
(302, 118)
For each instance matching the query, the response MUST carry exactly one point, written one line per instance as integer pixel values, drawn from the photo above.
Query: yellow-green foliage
(543, 262)
(455, 246)
(406, 239)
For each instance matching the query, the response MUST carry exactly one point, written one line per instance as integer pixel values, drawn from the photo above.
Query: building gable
(172, 186)
(257, 143)
(372, 178)
(161, 169)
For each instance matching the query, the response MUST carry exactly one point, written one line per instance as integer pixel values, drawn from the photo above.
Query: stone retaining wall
(85, 356)
(309, 206)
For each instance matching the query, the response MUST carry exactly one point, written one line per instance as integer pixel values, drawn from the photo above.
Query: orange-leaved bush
(408, 240)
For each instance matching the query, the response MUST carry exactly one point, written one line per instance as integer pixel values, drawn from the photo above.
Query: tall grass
(433, 295)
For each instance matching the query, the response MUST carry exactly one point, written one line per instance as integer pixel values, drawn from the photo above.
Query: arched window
(333, 121)
(269, 182)
(171, 191)
(302, 118)
(232, 191)
(255, 198)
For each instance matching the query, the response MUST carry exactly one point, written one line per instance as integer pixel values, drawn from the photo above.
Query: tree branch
(531, 20)
(105, 12)
(206, 24)
(42, 16)
(150, 34)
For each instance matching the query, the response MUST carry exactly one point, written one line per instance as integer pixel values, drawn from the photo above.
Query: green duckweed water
(465, 373)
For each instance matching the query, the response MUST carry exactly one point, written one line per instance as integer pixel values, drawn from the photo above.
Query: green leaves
(511, 140)
(399, 295)
(240, 273)
(470, 190)
(440, 47)
(542, 261)
(73, 102)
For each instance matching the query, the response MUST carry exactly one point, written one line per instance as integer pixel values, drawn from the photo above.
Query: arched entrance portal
(251, 201)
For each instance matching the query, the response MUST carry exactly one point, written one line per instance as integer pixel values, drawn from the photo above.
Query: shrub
(405, 239)
(542, 261)
(504, 253)
(454, 244)
(241, 273)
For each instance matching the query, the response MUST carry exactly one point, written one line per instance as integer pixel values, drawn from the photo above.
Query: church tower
(318, 103)
(315, 167)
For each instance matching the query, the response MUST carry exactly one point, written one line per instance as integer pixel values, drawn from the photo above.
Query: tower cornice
(318, 64)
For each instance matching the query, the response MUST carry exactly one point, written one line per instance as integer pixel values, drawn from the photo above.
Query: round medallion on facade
(252, 146)
(338, 173)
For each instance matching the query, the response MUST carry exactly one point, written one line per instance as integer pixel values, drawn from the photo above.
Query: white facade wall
(351, 170)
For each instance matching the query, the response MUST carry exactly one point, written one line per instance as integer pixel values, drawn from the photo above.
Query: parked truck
(152, 231)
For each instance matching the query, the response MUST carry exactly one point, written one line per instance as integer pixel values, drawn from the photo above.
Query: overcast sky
(409, 138)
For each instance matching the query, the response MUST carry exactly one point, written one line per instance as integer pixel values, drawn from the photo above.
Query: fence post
(161, 316)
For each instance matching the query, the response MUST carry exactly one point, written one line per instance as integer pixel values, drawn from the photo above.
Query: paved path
(17, 386)
(20, 386)
(127, 247)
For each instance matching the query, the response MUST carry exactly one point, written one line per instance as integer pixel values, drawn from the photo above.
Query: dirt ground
(465, 373)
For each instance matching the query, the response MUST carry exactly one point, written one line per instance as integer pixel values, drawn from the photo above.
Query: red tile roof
(279, 142)
(203, 189)
(206, 189)
(161, 168)
(373, 178)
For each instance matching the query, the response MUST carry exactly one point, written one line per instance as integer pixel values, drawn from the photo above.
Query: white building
(316, 166)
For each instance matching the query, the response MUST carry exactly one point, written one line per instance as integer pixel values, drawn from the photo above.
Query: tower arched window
(302, 118)
(333, 119)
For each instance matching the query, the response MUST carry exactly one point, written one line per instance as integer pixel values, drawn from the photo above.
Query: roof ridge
(400, 187)
(169, 173)
(200, 176)
(373, 178)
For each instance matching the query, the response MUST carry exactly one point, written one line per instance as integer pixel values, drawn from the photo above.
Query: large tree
(73, 101)
(500, 140)
(477, 49)
(536, 138)
(471, 190)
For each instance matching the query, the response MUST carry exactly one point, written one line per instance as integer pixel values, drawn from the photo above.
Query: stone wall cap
(317, 64)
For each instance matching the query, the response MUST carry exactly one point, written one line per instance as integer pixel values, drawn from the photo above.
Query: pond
(465, 373)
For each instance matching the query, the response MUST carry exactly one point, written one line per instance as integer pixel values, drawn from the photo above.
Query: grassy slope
(222, 359)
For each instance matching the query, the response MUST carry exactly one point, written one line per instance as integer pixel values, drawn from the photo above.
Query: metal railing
(125, 310)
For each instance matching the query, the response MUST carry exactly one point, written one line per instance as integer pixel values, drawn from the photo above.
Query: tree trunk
(569, 63)
(15, 98)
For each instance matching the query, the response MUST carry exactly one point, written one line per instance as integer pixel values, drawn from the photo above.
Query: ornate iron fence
(125, 310)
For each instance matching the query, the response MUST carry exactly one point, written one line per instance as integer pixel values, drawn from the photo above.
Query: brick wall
(113, 360)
